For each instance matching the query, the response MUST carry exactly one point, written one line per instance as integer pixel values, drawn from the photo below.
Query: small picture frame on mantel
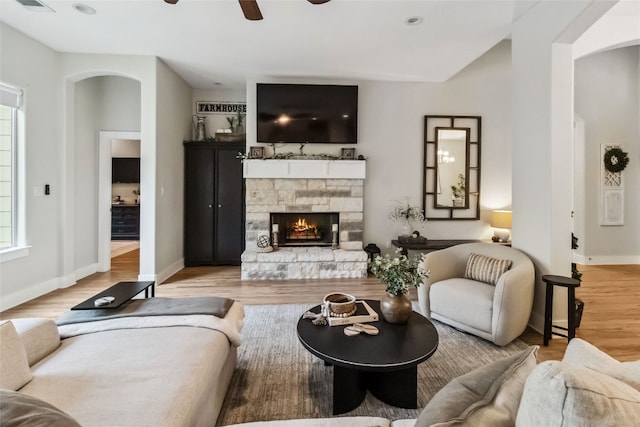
(256, 152)
(348, 153)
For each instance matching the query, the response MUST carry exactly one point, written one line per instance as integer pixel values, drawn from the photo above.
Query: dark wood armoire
(213, 204)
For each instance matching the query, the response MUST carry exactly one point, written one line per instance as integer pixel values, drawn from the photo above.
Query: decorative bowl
(340, 303)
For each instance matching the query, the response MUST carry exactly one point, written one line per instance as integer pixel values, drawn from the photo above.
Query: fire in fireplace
(304, 228)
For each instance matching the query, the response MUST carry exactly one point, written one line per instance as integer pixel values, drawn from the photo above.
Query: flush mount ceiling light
(83, 8)
(414, 20)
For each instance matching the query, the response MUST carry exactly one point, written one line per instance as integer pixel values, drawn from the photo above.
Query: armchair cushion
(446, 297)
(486, 269)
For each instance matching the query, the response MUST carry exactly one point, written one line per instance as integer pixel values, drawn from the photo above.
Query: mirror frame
(471, 209)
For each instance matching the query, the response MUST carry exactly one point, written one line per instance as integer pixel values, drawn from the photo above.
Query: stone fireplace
(323, 195)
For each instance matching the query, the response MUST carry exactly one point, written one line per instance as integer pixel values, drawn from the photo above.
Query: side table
(121, 291)
(571, 285)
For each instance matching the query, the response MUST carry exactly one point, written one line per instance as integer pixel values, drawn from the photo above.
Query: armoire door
(229, 234)
(199, 205)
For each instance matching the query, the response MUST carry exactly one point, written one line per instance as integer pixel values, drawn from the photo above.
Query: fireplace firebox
(304, 228)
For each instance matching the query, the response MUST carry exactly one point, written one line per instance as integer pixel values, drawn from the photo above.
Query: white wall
(607, 99)
(390, 136)
(105, 103)
(173, 127)
(76, 67)
(34, 67)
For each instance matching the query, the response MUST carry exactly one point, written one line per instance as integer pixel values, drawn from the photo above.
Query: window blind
(10, 96)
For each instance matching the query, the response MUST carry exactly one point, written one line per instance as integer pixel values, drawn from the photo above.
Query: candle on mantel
(334, 227)
(274, 228)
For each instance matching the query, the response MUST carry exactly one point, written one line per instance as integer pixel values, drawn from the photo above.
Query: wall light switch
(47, 189)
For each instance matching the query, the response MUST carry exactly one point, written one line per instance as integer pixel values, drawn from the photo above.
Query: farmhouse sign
(221, 107)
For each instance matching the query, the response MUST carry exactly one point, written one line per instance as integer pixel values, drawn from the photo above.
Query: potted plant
(398, 273)
(459, 191)
(404, 212)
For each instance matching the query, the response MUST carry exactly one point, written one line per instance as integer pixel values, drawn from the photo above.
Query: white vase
(405, 228)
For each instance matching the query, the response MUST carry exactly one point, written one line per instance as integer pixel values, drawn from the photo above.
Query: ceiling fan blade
(171, 1)
(250, 9)
(318, 1)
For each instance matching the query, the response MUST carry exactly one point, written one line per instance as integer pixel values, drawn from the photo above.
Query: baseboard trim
(606, 259)
(85, 271)
(27, 294)
(170, 270)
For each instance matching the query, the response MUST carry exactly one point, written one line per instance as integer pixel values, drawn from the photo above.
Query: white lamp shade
(501, 219)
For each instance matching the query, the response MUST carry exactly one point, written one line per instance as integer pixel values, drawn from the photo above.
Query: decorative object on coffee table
(340, 304)
(398, 273)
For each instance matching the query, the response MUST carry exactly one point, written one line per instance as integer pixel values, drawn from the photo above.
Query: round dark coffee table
(385, 364)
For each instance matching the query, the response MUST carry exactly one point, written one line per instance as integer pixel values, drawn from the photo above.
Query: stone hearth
(305, 186)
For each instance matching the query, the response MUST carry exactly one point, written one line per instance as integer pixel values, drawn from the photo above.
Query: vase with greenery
(239, 128)
(398, 273)
(404, 213)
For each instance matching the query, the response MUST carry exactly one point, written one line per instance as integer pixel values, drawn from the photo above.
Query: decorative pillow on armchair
(486, 269)
(487, 396)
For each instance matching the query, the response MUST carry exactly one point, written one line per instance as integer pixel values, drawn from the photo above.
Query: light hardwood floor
(611, 294)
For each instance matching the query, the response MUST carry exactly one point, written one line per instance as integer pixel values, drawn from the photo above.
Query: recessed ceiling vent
(35, 6)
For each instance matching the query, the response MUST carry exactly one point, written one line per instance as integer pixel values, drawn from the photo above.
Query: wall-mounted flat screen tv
(303, 113)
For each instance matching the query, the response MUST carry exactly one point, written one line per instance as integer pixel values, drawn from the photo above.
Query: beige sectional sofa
(144, 376)
(586, 388)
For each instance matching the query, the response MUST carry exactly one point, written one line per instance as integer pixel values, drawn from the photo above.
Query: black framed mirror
(451, 174)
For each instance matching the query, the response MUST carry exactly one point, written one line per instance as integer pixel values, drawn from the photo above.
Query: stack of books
(364, 313)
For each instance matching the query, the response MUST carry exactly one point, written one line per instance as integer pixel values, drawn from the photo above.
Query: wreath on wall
(615, 160)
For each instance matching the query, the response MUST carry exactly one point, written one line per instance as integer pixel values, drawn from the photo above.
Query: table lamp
(501, 221)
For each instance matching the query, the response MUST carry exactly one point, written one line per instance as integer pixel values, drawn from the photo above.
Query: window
(9, 104)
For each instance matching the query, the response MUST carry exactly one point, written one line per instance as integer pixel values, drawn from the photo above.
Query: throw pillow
(489, 395)
(486, 269)
(19, 409)
(581, 354)
(560, 395)
(15, 370)
(40, 337)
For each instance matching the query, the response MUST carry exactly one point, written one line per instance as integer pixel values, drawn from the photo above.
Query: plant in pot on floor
(398, 273)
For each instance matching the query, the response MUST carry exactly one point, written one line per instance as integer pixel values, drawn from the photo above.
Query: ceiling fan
(250, 8)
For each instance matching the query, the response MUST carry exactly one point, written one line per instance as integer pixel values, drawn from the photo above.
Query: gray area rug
(277, 379)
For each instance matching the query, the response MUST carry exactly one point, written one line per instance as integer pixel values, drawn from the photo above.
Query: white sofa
(497, 311)
(587, 388)
(155, 376)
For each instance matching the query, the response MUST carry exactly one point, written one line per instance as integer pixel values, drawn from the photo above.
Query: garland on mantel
(294, 156)
(615, 160)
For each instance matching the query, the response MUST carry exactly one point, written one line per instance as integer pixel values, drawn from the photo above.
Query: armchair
(497, 313)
